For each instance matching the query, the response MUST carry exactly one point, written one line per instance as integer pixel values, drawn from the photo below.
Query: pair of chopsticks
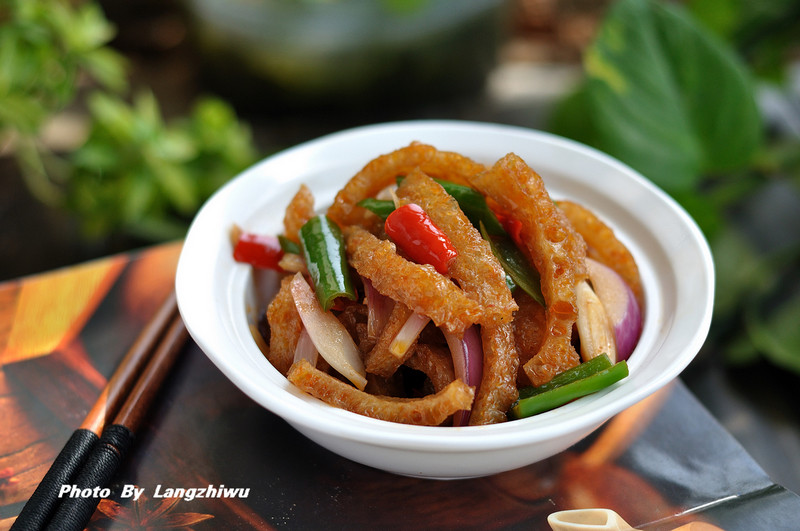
(94, 452)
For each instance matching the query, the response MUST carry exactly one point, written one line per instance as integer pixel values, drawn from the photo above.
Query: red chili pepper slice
(414, 232)
(512, 226)
(258, 250)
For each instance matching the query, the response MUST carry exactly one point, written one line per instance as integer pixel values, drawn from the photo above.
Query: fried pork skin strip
(431, 410)
(285, 327)
(298, 212)
(378, 385)
(557, 251)
(451, 166)
(530, 328)
(475, 269)
(498, 389)
(604, 246)
(379, 360)
(382, 172)
(419, 287)
(436, 362)
(354, 319)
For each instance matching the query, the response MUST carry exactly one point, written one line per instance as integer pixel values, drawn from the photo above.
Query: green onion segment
(288, 245)
(515, 264)
(381, 207)
(585, 369)
(561, 394)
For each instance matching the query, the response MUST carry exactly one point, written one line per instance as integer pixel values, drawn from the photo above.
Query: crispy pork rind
(436, 362)
(431, 410)
(603, 245)
(475, 269)
(378, 385)
(498, 388)
(293, 263)
(530, 328)
(285, 327)
(419, 287)
(298, 212)
(384, 170)
(380, 360)
(354, 319)
(451, 166)
(557, 252)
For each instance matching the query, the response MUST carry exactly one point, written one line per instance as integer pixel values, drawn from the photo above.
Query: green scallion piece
(288, 245)
(514, 263)
(474, 206)
(380, 207)
(559, 396)
(585, 369)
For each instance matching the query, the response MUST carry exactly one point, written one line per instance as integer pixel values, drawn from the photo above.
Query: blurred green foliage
(760, 32)
(135, 174)
(672, 90)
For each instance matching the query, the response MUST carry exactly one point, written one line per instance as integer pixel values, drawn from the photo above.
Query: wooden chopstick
(156, 347)
(101, 465)
(125, 375)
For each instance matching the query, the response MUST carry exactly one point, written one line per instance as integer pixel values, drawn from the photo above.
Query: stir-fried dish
(439, 291)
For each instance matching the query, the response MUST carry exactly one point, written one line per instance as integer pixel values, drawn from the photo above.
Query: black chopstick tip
(96, 474)
(42, 504)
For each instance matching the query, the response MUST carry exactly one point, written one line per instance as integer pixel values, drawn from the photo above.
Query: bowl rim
(295, 406)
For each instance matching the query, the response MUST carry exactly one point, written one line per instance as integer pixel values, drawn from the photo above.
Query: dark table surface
(662, 463)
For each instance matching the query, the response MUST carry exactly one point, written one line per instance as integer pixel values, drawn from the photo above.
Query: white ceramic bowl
(215, 294)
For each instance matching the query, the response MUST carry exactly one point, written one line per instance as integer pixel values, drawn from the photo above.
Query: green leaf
(741, 351)
(777, 335)
(706, 212)
(572, 117)
(147, 111)
(739, 270)
(176, 146)
(404, 7)
(85, 27)
(107, 67)
(765, 32)
(8, 60)
(767, 35)
(176, 182)
(95, 155)
(22, 113)
(138, 191)
(720, 16)
(667, 97)
(114, 116)
(157, 228)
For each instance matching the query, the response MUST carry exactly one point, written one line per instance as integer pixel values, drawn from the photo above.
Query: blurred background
(118, 118)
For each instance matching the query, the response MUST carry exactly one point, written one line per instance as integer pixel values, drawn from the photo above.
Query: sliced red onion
(379, 307)
(621, 306)
(305, 349)
(467, 352)
(408, 333)
(328, 334)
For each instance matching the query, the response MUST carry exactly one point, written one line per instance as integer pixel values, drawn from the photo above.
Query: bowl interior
(217, 297)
